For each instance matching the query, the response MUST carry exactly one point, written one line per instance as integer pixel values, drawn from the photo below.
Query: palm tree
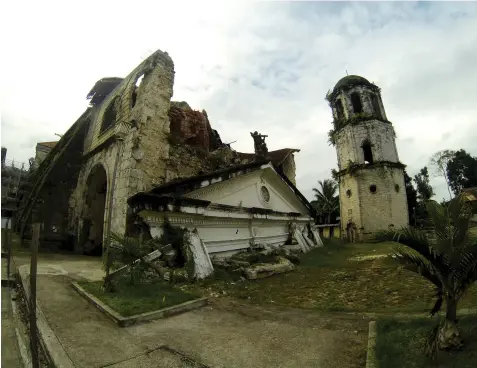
(449, 261)
(326, 199)
(130, 252)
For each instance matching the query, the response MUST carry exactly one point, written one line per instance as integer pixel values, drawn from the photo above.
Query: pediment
(262, 188)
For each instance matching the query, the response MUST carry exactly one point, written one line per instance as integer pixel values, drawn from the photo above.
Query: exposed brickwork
(190, 127)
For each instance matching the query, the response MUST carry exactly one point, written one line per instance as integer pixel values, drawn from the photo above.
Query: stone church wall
(140, 133)
(374, 211)
(150, 153)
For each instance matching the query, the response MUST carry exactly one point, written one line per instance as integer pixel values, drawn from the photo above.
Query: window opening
(367, 152)
(356, 102)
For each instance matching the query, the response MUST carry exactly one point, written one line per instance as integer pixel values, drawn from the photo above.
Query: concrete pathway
(213, 336)
(11, 357)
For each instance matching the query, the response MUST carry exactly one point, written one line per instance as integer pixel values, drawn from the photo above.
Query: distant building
(14, 185)
(471, 196)
(42, 150)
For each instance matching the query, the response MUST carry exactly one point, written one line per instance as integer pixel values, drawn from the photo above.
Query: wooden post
(8, 244)
(107, 282)
(33, 267)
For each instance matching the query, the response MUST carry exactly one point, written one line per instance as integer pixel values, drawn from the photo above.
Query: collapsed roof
(102, 88)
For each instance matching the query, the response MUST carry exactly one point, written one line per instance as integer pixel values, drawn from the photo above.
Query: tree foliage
(439, 162)
(326, 201)
(424, 188)
(461, 171)
(449, 261)
(411, 194)
(126, 251)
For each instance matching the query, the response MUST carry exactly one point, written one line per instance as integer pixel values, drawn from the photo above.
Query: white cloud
(252, 66)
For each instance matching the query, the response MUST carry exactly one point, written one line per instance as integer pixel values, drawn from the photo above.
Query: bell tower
(371, 178)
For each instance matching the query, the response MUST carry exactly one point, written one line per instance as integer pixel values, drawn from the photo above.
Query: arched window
(109, 117)
(367, 151)
(339, 109)
(376, 107)
(356, 102)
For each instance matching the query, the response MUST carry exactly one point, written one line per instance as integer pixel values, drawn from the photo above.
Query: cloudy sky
(253, 66)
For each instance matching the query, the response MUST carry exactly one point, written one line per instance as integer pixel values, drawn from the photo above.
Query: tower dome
(352, 80)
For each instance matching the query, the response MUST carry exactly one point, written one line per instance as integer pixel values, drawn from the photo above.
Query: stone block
(265, 270)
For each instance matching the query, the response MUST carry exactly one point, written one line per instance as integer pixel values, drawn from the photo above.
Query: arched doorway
(93, 217)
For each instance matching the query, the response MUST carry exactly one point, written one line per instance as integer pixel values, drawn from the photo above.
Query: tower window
(339, 109)
(348, 193)
(367, 152)
(356, 101)
(372, 188)
(376, 107)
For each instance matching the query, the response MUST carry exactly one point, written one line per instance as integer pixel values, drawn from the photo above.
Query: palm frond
(423, 255)
(414, 239)
(466, 274)
(460, 214)
(440, 220)
(415, 262)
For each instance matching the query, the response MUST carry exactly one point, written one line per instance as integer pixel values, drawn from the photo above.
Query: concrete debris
(260, 271)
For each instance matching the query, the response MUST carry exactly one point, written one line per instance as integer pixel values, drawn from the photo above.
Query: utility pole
(33, 269)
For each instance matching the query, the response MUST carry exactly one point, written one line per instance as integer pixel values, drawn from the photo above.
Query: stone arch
(109, 117)
(94, 210)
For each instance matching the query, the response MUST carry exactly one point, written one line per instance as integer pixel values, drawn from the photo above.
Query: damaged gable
(254, 185)
(261, 188)
(283, 161)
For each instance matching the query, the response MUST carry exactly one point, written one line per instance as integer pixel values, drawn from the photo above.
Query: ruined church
(135, 160)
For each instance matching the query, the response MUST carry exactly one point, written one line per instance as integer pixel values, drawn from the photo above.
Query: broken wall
(57, 188)
(289, 168)
(137, 140)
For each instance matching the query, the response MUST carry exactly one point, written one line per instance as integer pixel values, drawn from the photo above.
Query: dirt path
(219, 335)
(223, 334)
(11, 357)
(230, 335)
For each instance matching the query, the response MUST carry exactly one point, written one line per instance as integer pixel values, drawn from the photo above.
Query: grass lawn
(129, 300)
(342, 277)
(400, 344)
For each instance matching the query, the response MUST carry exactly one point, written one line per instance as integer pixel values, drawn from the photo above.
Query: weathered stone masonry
(140, 134)
(371, 178)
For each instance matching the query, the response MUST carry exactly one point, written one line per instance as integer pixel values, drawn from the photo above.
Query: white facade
(249, 209)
